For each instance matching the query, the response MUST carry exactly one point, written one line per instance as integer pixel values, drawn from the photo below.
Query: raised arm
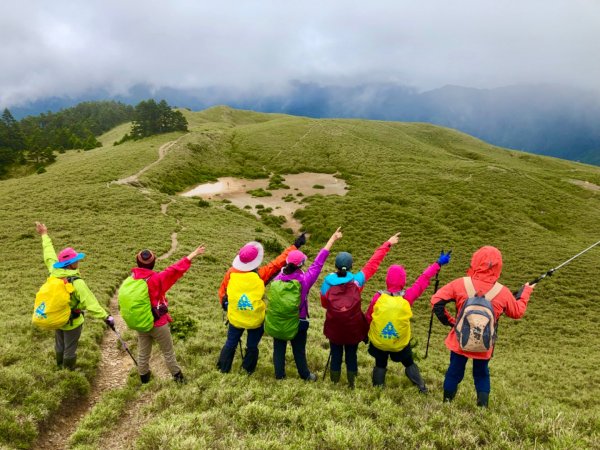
(421, 283)
(375, 261)
(312, 273)
(48, 249)
(174, 272)
(419, 286)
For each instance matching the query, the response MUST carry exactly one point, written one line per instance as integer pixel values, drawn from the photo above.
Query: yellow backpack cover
(390, 326)
(246, 305)
(52, 309)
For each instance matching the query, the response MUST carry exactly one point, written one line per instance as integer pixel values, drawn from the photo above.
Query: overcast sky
(66, 48)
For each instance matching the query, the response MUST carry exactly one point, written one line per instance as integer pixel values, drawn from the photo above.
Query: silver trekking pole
(551, 271)
(124, 344)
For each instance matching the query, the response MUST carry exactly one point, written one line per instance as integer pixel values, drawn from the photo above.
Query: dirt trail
(114, 368)
(134, 179)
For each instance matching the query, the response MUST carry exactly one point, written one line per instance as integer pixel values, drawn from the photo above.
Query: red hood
(140, 272)
(396, 278)
(486, 264)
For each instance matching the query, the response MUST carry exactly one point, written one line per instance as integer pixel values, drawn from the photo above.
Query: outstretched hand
(300, 240)
(334, 237)
(394, 239)
(444, 258)
(41, 228)
(199, 251)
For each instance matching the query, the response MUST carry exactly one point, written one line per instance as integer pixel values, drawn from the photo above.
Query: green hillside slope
(440, 188)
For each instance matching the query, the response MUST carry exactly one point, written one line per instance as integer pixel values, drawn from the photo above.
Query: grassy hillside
(438, 187)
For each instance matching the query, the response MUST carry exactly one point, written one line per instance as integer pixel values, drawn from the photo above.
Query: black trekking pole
(435, 288)
(551, 271)
(124, 344)
(327, 365)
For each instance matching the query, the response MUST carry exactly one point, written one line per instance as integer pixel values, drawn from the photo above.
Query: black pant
(404, 356)
(298, 349)
(337, 353)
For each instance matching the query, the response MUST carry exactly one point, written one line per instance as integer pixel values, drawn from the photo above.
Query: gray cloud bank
(66, 48)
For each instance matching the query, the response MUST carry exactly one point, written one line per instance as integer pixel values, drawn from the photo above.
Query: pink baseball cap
(67, 257)
(295, 257)
(249, 257)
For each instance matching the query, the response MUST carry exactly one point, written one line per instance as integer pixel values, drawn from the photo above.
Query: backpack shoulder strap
(469, 287)
(494, 291)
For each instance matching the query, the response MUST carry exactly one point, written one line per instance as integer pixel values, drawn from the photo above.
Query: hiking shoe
(145, 378)
(334, 375)
(482, 399)
(311, 377)
(69, 363)
(413, 374)
(351, 377)
(379, 376)
(449, 396)
(179, 378)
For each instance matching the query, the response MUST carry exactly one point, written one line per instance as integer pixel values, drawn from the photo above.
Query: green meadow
(439, 187)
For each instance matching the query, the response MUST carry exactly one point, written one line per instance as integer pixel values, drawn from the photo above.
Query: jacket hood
(396, 278)
(334, 280)
(64, 273)
(486, 264)
(141, 272)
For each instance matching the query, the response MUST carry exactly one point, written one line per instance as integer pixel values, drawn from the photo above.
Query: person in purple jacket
(292, 272)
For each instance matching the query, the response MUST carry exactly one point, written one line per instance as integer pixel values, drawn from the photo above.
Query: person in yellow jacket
(241, 296)
(66, 266)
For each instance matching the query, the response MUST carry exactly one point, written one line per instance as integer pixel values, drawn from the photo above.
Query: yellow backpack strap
(495, 290)
(469, 287)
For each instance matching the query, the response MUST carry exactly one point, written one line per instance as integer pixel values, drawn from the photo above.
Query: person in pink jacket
(158, 285)
(389, 316)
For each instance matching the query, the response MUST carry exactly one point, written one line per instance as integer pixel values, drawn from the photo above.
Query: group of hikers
(285, 282)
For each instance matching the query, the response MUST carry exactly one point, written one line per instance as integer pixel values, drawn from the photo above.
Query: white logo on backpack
(476, 324)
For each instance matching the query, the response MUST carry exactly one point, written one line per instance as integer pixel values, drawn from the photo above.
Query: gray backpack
(476, 324)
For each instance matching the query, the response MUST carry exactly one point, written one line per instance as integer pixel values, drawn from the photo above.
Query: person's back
(287, 316)
(345, 323)
(484, 272)
(65, 266)
(157, 285)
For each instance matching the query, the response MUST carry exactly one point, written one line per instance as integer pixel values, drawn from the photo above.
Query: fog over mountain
(546, 119)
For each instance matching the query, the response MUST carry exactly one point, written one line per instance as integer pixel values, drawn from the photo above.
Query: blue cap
(343, 260)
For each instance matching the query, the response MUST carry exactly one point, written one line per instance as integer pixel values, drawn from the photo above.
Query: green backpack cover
(134, 304)
(283, 314)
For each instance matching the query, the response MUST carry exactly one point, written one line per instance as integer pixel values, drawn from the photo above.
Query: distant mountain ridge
(544, 119)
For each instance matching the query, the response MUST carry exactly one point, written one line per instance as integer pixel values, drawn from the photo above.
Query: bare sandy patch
(235, 190)
(586, 185)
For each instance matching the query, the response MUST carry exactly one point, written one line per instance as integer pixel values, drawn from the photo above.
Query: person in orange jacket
(478, 296)
(241, 296)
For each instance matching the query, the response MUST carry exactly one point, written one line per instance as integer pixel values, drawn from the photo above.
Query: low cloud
(65, 48)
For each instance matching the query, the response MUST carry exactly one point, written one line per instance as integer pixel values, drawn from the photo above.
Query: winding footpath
(115, 364)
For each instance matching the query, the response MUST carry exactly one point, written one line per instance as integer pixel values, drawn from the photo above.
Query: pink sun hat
(249, 257)
(67, 257)
(295, 257)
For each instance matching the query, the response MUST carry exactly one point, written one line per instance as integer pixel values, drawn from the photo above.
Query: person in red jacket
(158, 285)
(481, 280)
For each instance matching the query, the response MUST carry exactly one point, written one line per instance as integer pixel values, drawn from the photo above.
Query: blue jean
(337, 353)
(234, 335)
(298, 349)
(456, 372)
